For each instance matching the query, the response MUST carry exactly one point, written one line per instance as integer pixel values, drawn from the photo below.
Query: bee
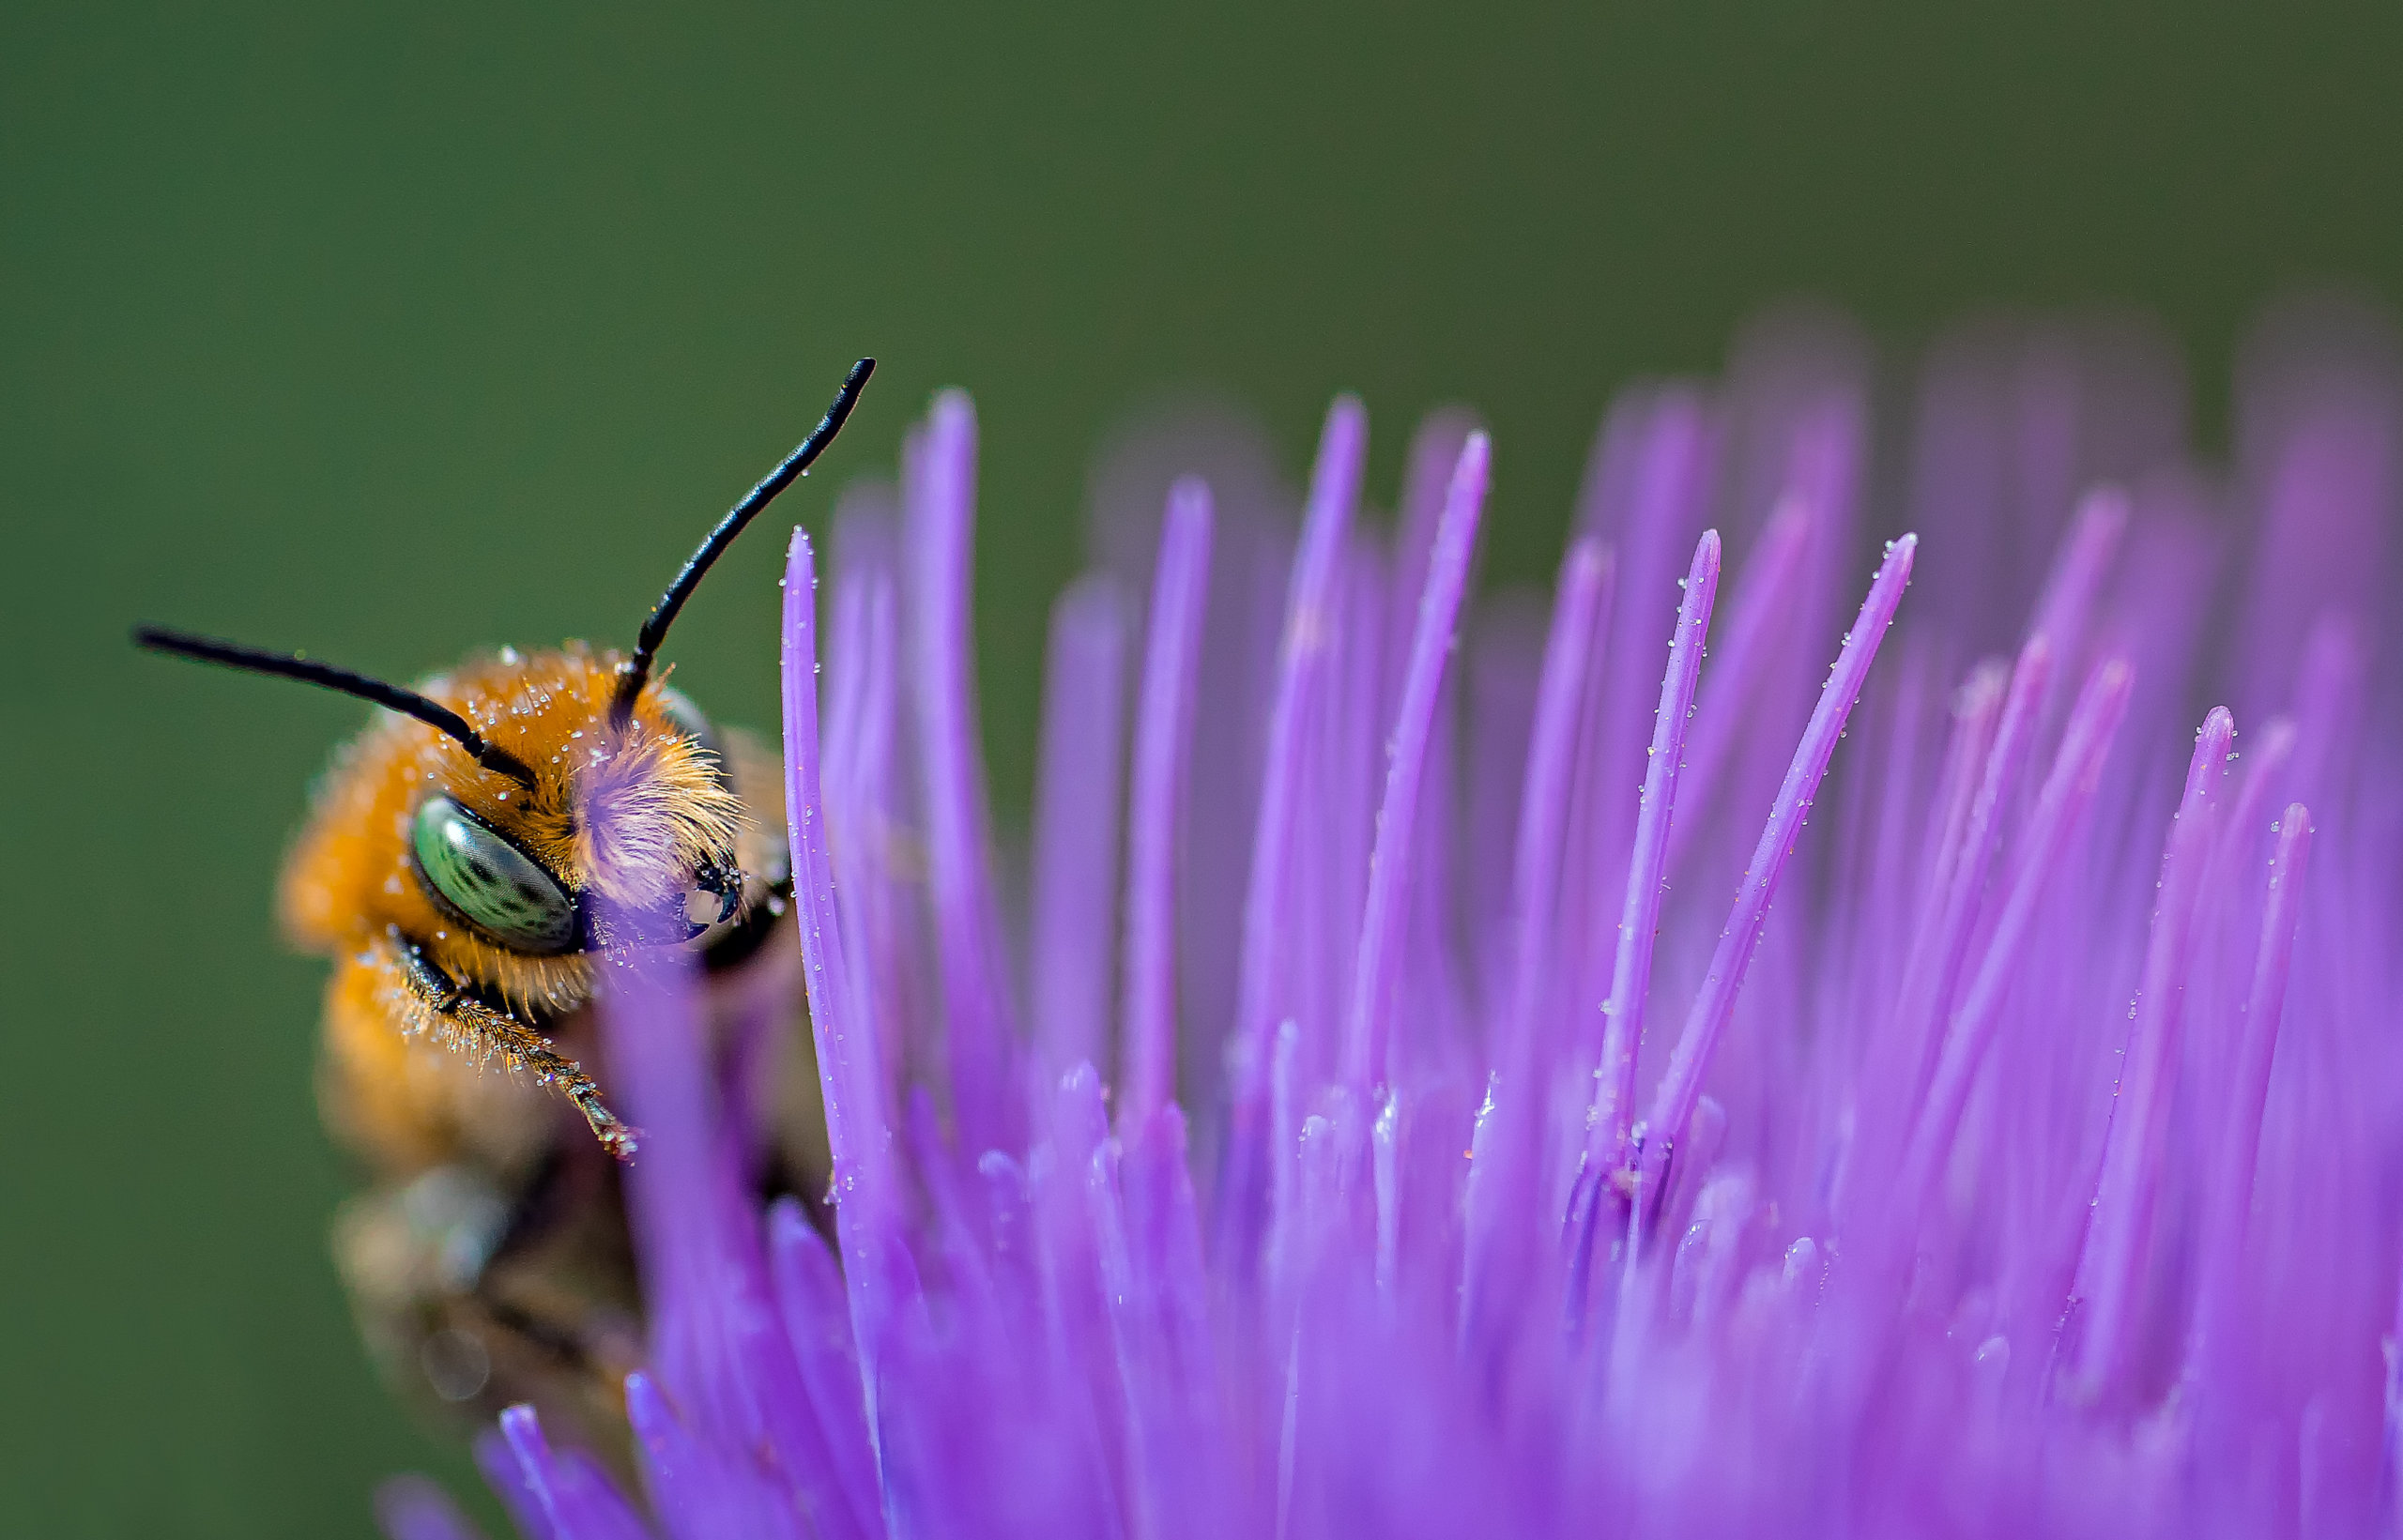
(466, 861)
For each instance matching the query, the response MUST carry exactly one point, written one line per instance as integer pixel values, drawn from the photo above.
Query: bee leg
(430, 999)
(559, 1324)
(562, 1341)
(540, 1199)
(568, 1360)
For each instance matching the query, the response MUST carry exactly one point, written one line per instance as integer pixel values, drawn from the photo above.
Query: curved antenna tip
(635, 672)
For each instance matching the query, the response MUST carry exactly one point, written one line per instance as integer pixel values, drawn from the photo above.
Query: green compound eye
(490, 883)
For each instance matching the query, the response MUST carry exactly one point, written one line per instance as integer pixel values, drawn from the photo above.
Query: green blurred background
(392, 331)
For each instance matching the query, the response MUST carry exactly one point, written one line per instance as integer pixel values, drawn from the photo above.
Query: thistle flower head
(1750, 1050)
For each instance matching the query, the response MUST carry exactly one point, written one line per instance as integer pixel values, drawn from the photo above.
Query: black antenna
(293, 666)
(635, 671)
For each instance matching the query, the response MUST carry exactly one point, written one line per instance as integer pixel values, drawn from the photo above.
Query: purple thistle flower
(2012, 1153)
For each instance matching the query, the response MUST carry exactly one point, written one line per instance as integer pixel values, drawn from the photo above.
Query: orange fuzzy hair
(623, 815)
(662, 802)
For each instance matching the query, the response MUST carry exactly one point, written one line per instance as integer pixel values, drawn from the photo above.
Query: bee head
(624, 831)
(521, 812)
(619, 833)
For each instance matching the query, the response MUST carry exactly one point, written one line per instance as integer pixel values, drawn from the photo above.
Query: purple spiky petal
(2026, 1168)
